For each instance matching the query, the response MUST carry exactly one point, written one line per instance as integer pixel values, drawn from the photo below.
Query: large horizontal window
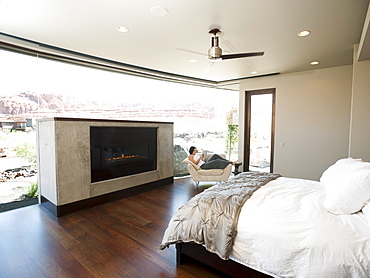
(33, 88)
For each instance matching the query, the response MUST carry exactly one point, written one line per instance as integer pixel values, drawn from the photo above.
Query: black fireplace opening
(122, 151)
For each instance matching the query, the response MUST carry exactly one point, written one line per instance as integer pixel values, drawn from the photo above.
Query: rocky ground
(14, 190)
(16, 174)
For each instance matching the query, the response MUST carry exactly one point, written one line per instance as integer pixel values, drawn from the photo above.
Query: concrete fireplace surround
(63, 147)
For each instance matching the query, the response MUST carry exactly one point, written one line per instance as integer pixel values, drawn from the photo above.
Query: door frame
(247, 126)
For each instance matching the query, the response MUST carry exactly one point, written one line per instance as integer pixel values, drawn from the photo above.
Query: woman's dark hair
(191, 150)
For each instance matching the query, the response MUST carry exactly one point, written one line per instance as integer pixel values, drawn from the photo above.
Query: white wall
(360, 127)
(312, 119)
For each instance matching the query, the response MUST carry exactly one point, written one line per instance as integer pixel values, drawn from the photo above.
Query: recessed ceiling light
(192, 61)
(315, 63)
(159, 11)
(254, 72)
(304, 33)
(122, 29)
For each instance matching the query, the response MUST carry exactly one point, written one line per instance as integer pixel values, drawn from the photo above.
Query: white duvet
(285, 231)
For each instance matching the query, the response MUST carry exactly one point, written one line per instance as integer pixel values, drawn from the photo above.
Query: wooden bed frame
(192, 251)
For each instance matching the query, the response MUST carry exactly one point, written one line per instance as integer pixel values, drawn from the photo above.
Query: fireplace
(75, 172)
(122, 151)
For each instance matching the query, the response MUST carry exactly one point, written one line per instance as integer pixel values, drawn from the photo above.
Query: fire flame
(122, 157)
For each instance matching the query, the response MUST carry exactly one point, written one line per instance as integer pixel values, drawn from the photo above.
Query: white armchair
(198, 174)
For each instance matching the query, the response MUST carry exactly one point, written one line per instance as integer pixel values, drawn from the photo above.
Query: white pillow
(366, 211)
(187, 161)
(344, 164)
(347, 185)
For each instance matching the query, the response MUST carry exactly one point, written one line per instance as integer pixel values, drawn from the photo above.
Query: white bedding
(284, 230)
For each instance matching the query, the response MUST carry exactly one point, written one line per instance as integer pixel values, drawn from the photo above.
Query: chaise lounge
(198, 174)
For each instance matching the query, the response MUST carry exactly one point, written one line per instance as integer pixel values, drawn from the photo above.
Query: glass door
(259, 128)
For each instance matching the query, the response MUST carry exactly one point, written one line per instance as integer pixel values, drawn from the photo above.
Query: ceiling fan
(215, 52)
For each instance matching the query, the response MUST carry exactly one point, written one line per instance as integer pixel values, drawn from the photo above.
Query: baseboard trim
(102, 199)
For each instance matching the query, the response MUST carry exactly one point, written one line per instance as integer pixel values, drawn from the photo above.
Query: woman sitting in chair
(214, 162)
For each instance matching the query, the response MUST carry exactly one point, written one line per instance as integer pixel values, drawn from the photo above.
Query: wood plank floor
(118, 239)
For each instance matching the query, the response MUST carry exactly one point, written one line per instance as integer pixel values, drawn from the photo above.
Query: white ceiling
(158, 42)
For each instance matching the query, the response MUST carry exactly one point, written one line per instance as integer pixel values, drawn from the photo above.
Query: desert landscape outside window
(34, 88)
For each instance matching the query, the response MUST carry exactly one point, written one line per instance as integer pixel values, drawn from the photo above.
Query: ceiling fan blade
(241, 55)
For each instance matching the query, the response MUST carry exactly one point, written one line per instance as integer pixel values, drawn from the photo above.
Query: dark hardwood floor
(118, 239)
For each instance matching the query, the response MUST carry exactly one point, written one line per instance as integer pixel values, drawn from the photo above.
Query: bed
(281, 227)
